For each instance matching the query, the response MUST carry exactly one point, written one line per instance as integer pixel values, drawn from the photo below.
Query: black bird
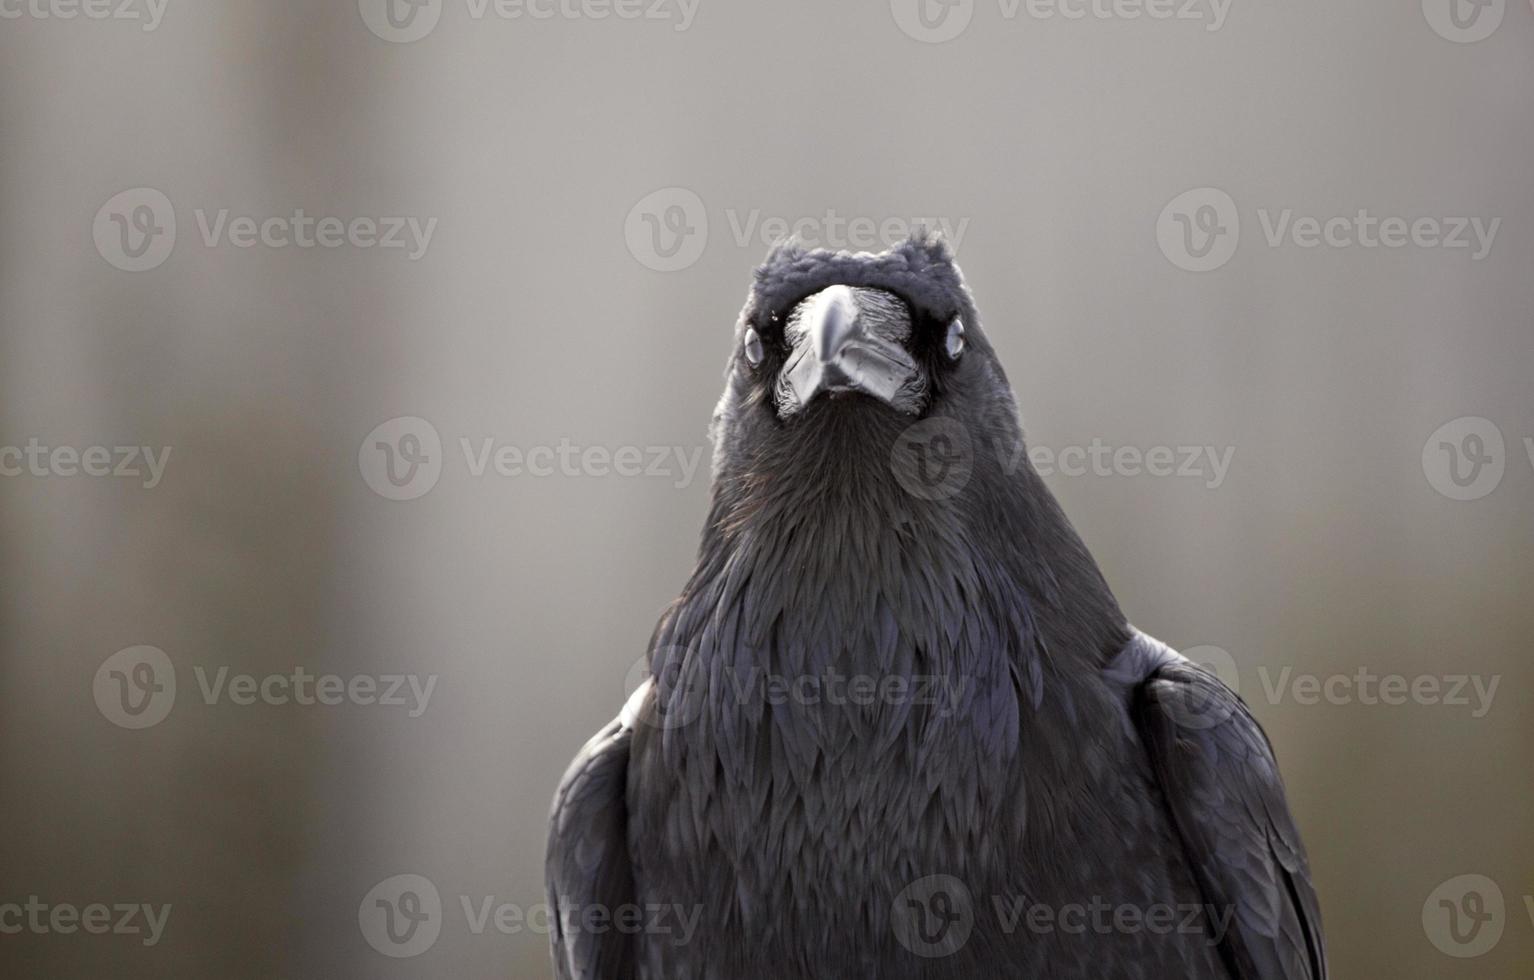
(896, 725)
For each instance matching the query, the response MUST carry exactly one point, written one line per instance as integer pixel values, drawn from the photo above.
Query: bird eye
(752, 347)
(954, 342)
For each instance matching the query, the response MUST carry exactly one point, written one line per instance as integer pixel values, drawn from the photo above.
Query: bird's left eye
(752, 347)
(953, 344)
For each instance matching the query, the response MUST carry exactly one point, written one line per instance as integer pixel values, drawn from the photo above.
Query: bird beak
(838, 347)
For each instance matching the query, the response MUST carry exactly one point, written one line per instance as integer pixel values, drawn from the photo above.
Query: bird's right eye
(953, 344)
(752, 347)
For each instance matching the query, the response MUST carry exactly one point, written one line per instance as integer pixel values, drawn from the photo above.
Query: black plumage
(1033, 789)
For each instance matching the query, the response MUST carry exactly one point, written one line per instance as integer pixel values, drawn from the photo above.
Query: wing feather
(588, 868)
(1221, 783)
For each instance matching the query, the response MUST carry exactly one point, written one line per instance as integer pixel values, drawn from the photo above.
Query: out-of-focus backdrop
(356, 361)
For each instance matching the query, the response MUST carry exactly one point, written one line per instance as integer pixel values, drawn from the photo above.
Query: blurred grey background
(598, 189)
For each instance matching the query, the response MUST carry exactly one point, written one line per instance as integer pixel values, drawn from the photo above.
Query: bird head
(838, 355)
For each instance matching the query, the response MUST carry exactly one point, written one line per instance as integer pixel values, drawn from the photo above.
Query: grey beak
(839, 346)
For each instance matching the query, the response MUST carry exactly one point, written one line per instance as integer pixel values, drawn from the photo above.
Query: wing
(588, 867)
(1220, 781)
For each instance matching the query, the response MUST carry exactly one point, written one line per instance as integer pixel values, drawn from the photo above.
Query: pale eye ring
(751, 346)
(953, 344)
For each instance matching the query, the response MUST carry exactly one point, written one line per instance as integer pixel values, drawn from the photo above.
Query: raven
(896, 726)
